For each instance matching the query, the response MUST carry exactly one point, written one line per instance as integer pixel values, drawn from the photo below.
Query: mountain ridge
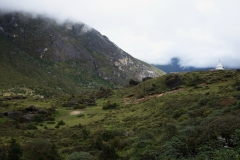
(72, 48)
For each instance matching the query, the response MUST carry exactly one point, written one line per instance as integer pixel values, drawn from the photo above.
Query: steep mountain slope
(85, 57)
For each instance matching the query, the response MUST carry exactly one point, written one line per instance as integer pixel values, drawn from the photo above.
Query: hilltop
(192, 115)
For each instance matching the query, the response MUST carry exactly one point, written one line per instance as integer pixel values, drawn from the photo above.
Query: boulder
(133, 82)
(13, 114)
(27, 118)
(31, 109)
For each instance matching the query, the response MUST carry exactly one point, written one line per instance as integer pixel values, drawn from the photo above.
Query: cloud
(207, 7)
(199, 32)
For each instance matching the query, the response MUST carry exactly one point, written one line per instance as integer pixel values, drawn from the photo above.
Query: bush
(80, 156)
(149, 155)
(238, 105)
(38, 118)
(31, 126)
(50, 119)
(61, 123)
(40, 149)
(85, 132)
(79, 106)
(109, 105)
(108, 152)
(203, 101)
(15, 150)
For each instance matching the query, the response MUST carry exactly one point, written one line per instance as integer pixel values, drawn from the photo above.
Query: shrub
(85, 132)
(80, 155)
(50, 119)
(149, 154)
(203, 101)
(51, 122)
(31, 126)
(109, 105)
(110, 134)
(238, 105)
(79, 106)
(38, 118)
(61, 123)
(40, 149)
(146, 135)
(15, 150)
(108, 152)
(174, 148)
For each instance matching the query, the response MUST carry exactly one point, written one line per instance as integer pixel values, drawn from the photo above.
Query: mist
(198, 32)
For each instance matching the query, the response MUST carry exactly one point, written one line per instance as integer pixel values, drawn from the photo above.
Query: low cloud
(198, 32)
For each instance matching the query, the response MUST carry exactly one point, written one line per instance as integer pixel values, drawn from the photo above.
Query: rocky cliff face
(74, 48)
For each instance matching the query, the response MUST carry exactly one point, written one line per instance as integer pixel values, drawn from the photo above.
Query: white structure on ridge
(219, 66)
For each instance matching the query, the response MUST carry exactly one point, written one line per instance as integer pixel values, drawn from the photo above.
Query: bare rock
(133, 82)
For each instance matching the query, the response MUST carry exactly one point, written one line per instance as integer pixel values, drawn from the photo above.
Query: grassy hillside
(18, 69)
(191, 115)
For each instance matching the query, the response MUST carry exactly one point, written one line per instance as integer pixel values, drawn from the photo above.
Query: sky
(198, 32)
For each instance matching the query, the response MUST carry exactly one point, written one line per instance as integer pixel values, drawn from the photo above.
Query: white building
(219, 66)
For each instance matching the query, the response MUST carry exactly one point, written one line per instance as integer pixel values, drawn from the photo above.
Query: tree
(15, 150)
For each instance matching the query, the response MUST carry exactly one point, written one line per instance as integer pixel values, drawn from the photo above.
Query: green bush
(38, 118)
(80, 156)
(109, 105)
(203, 101)
(238, 105)
(79, 106)
(50, 119)
(61, 123)
(108, 153)
(149, 154)
(14, 151)
(85, 132)
(31, 126)
(40, 149)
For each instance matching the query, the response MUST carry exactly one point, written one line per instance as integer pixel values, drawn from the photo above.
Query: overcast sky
(199, 32)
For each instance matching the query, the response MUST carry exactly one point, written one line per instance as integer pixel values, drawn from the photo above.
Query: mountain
(174, 66)
(39, 53)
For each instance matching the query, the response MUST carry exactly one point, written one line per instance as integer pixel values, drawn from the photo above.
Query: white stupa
(219, 66)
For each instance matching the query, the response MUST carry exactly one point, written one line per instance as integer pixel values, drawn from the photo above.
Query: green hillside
(19, 69)
(186, 116)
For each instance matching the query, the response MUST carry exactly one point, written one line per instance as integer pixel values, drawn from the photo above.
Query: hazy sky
(199, 32)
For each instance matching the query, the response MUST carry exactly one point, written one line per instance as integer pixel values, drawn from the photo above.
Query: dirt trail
(131, 100)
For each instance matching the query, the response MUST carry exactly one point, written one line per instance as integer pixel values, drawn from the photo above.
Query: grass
(193, 113)
(91, 115)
